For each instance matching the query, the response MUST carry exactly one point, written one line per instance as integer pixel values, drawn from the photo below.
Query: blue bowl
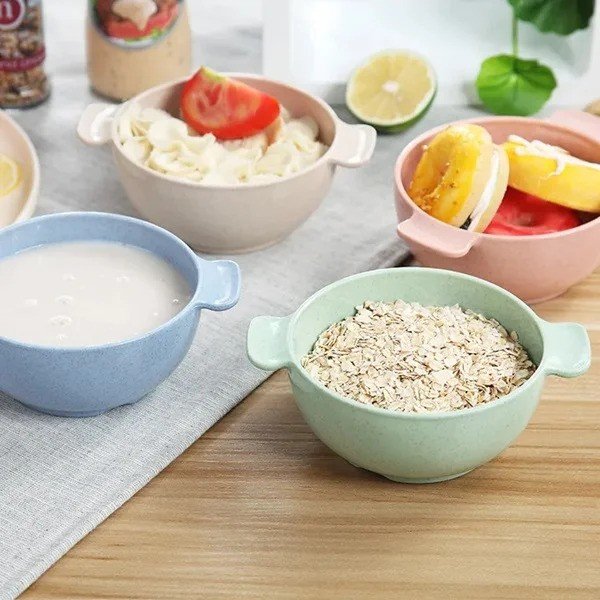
(82, 382)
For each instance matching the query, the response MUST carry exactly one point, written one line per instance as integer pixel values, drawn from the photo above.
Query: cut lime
(391, 90)
(10, 175)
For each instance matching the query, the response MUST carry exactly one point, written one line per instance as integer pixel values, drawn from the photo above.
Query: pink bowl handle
(582, 122)
(434, 235)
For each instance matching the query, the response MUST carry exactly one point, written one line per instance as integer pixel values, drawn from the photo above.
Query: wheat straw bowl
(535, 268)
(232, 219)
(89, 380)
(416, 448)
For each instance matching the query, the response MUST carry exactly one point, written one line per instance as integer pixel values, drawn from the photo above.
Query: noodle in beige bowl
(212, 210)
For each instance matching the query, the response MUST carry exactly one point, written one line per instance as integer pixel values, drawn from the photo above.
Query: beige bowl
(232, 219)
(19, 204)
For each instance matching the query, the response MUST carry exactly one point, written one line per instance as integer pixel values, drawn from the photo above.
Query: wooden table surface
(259, 508)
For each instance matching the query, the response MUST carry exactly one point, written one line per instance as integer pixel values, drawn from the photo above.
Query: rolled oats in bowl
(411, 358)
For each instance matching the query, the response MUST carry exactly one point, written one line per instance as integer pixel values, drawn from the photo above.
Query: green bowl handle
(567, 350)
(267, 344)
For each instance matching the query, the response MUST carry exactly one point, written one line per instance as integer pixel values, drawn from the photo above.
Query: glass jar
(23, 81)
(133, 45)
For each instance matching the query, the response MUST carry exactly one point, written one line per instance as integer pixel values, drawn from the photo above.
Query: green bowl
(416, 448)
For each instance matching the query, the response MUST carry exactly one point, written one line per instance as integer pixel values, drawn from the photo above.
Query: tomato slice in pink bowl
(524, 214)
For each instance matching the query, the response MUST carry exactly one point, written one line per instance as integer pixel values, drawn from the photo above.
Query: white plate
(14, 142)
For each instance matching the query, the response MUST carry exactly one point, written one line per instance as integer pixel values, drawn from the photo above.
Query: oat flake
(412, 358)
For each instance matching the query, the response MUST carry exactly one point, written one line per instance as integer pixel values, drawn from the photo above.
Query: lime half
(10, 175)
(391, 90)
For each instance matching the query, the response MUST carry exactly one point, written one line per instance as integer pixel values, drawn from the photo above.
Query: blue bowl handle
(567, 350)
(220, 282)
(267, 344)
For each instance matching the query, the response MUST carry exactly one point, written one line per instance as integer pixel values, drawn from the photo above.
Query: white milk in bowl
(77, 294)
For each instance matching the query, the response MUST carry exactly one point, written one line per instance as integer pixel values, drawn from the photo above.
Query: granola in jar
(23, 81)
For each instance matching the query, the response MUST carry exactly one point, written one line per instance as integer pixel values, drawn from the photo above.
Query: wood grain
(259, 508)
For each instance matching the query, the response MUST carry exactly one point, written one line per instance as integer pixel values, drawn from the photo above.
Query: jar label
(134, 23)
(12, 13)
(21, 40)
(25, 63)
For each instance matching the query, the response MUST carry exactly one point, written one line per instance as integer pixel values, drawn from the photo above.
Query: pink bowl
(535, 268)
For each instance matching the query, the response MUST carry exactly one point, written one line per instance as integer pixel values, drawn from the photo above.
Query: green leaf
(512, 86)
(556, 16)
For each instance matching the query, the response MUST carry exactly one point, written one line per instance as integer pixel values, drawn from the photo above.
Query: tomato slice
(229, 109)
(524, 214)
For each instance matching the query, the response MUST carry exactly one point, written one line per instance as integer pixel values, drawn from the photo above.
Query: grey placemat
(59, 478)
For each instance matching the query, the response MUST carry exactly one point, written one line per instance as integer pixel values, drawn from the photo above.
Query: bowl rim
(93, 215)
(430, 415)
(324, 159)
(479, 236)
(30, 203)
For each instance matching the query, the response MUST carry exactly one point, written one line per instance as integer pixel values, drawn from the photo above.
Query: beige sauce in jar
(133, 45)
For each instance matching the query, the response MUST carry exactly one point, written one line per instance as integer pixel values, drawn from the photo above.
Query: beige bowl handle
(353, 145)
(95, 124)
